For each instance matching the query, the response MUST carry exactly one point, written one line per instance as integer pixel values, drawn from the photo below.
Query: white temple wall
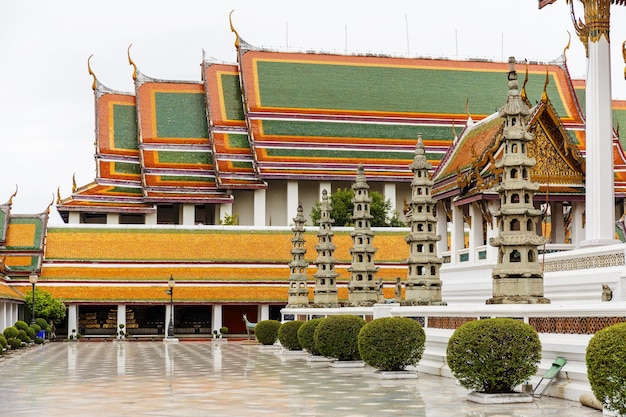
(243, 207)
(276, 203)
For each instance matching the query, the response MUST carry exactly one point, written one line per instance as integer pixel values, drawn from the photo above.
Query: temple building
(177, 160)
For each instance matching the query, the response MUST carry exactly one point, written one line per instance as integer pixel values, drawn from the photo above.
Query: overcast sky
(46, 101)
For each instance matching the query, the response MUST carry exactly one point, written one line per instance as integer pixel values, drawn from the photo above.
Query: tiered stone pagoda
(517, 277)
(325, 294)
(362, 289)
(423, 285)
(298, 289)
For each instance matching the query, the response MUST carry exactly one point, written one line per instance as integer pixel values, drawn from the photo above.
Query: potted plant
(223, 331)
(493, 356)
(390, 344)
(606, 367)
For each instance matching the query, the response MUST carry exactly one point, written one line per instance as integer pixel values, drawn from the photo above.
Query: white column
(3, 314)
(168, 308)
(217, 318)
(188, 215)
(265, 312)
(557, 223)
(457, 240)
(578, 231)
(113, 218)
(121, 318)
(74, 217)
(476, 231)
(599, 189)
(292, 201)
(389, 192)
(151, 218)
(226, 209)
(259, 207)
(492, 231)
(442, 228)
(72, 319)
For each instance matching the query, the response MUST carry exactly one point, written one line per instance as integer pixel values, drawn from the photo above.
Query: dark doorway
(232, 317)
(192, 319)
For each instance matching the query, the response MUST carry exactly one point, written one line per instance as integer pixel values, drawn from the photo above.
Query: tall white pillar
(599, 189)
(151, 218)
(557, 223)
(577, 223)
(442, 228)
(72, 319)
(3, 315)
(476, 231)
(292, 201)
(217, 319)
(457, 240)
(74, 217)
(121, 319)
(265, 312)
(113, 218)
(389, 193)
(259, 207)
(188, 215)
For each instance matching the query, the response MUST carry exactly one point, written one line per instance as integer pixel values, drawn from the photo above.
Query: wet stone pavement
(226, 379)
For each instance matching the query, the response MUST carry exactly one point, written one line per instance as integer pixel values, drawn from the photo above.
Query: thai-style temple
(178, 161)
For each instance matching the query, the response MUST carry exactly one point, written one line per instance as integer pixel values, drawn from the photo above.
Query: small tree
(337, 337)
(392, 343)
(342, 209)
(606, 367)
(493, 355)
(288, 335)
(46, 306)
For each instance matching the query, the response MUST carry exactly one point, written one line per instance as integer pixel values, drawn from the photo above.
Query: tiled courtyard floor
(225, 379)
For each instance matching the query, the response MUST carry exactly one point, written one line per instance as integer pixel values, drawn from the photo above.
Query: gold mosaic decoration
(597, 21)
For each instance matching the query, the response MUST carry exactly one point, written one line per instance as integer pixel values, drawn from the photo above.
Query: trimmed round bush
(39, 340)
(31, 332)
(10, 332)
(21, 325)
(3, 342)
(14, 343)
(35, 327)
(42, 323)
(493, 355)
(266, 331)
(288, 335)
(305, 336)
(224, 330)
(606, 367)
(336, 337)
(392, 343)
(23, 336)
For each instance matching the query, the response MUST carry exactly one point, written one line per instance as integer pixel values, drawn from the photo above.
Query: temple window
(322, 281)
(513, 173)
(431, 248)
(430, 227)
(514, 198)
(513, 121)
(515, 256)
(433, 270)
(359, 258)
(420, 248)
(420, 227)
(531, 256)
(525, 173)
(359, 277)
(515, 225)
(514, 148)
(420, 270)
(529, 225)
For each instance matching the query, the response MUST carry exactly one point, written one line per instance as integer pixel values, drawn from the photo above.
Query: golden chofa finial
(95, 80)
(74, 183)
(131, 62)
(544, 95)
(523, 93)
(51, 204)
(232, 28)
(624, 54)
(569, 42)
(13, 195)
(58, 194)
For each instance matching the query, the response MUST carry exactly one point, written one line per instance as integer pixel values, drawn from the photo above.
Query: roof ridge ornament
(624, 54)
(569, 42)
(13, 195)
(94, 85)
(73, 183)
(523, 93)
(131, 62)
(544, 94)
(232, 28)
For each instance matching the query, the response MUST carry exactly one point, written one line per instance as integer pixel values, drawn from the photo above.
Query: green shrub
(305, 336)
(14, 343)
(35, 327)
(606, 367)
(23, 336)
(392, 343)
(41, 322)
(493, 355)
(266, 331)
(10, 332)
(21, 325)
(39, 340)
(288, 335)
(224, 330)
(336, 337)
(3, 342)
(31, 333)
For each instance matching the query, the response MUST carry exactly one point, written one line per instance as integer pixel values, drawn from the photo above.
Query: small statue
(379, 290)
(607, 293)
(398, 292)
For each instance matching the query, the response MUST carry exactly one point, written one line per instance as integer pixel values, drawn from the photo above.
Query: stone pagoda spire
(423, 285)
(325, 294)
(362, 289)
(298, 290)
(517, 277)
